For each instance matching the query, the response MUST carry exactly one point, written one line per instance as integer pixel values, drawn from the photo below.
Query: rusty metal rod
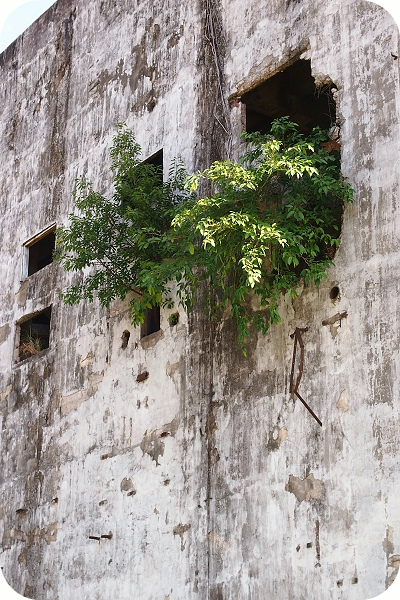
(308, 408)
(291, 388)
(296, 335)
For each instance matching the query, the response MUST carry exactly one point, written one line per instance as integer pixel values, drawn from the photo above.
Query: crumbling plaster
(206, 479)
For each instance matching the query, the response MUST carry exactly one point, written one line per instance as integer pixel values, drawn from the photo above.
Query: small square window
(33, 334)
(151, 322)
(39, 251)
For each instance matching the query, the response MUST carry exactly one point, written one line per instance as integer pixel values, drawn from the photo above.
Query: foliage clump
(30, 345)
(270, 220)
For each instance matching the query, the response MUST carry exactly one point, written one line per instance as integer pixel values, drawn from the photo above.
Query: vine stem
(212, 39)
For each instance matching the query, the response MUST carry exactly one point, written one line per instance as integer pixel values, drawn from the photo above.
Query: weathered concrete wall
(207, 480)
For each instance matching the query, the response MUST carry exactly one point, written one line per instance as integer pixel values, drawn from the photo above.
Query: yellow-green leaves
(271, 219)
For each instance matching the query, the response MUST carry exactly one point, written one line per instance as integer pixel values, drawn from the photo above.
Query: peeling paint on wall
(170, 466)
(308, 488)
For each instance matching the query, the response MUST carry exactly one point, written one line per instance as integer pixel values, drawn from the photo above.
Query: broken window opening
(39, 251)
(293, 93)
(152, 322)
(33, 334)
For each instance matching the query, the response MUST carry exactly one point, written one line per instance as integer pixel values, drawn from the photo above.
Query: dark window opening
(157, 161)
(152, 317)
(151, 321)
(40, 252)
(34, 334)
(148, 177)
(291, 93)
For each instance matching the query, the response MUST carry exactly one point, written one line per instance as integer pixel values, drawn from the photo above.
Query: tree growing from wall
(270, 220)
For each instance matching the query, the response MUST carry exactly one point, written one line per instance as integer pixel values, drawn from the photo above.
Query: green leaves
(120, 244)
(270, 222)
(272, 219)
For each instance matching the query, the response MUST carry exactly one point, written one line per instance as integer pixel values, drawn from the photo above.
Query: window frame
(26, 250)
(18, 327)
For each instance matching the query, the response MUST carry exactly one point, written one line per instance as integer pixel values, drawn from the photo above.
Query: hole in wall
(173, 319)
(125, 338)
(142, 376)
(291, 92)
(334, 293)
